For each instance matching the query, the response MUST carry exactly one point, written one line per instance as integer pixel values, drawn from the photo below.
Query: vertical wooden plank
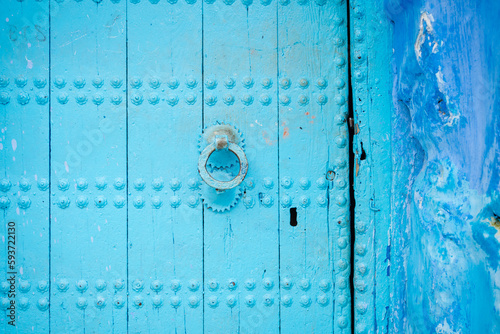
(88, 165)
(241, 245)
(165, 212)
(24, 156)
(371, 85)
(313, 164)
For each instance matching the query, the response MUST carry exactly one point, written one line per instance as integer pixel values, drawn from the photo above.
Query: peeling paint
(446, 131)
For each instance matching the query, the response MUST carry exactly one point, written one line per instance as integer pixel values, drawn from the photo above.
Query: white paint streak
(14, 145)
(445, 328)
(29, 64)
(428, 19)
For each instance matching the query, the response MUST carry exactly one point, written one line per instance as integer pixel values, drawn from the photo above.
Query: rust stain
(307, 113)
(286, 132)
(495, 222)
(357, 167)
(356, 129)
(269, 141)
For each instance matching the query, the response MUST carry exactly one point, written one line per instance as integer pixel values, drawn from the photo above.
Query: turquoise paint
(445, 128)
(370, 41)
(112, 163)
(313, 144)
(165, 235)
(24, 181)
(87, 145)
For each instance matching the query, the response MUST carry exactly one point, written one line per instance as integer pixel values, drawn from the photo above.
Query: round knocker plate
(222, 185)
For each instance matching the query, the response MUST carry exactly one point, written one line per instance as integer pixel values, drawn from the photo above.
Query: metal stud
(322, 300)
(175, 301)
(97, 82)
(190, 98)
(4, 98)
(324, 285)
(43, 304)
(118, 302)
(63, 202)
(156, 202)
(229, 83)
(81, 303)
(82, 202)
(79, 82)
(119, 284)
(250, 284)
(193, 285)
(268, 283)
(247, 82)
(231, 301)
(193, 301)
(250, 300)
(213, 285)
(23, 98)
(210, 83)
(5, 185)
(100, 201)
(267, 83)
(153, 98)
(116, 82)
(305, 301)
(4, 81)
(138, 301)
(135, 82)
(139, 184)
(137, 285)
(100, 183)
(211, 100)
(137, 99)
(157, 184)
(21, 81)
(43, 184)
(191, 82)
(157, 301)
(119, 201)
(213, 301)
(247, 99)
(138, 202)
(286, 283)
(304, 284)
(81, 285)
(286, 300)
(286, 201)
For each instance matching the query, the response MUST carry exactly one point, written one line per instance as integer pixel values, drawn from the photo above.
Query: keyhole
(293, 216)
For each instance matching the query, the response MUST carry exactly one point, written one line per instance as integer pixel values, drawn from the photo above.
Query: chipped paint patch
(425, 26)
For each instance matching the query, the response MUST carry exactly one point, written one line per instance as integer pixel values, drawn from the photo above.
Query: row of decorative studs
(137, 99)
(364, 297)
(82, 201)
(175, 184)
(227, 2)
(173, 83)
(176, 301)
(176, 285)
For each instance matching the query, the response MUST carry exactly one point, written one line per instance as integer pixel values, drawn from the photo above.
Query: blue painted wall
(445, 198)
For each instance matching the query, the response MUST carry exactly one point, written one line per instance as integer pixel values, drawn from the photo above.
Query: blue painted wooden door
(102, 109)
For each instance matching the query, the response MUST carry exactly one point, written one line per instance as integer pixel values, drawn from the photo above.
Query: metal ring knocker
(220, 143)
